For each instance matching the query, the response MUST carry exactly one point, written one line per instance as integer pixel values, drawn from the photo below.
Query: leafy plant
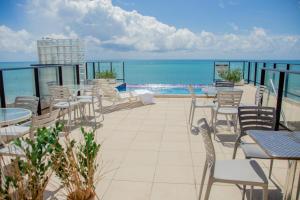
(77, 166)
(107, 74)
(29, 176)
(234, 75)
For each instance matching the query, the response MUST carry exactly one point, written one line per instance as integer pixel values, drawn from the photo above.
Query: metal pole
(255, 72)
(77, 74)
(86, 71)
(94, 70)
(262, 80)
(214, 74)
(249, 72)
(286, 87)
(243, 70)
(60, 77)
(110, 66)
(2, 91)
(229, 65)
(123, 72)
(37, 89)
(279, 99)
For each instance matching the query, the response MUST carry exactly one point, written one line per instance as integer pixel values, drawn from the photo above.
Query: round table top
(10, 116)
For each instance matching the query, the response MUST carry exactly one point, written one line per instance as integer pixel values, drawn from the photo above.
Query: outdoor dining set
(257, 122)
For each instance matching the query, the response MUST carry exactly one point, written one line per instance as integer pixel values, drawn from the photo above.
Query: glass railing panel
(104, 66)
(69, 75)
(118, 68)
(90, 74)
(47, 77)
(18, 83)
(220, 66)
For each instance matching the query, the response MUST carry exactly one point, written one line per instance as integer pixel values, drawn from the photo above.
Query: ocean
(21, 82)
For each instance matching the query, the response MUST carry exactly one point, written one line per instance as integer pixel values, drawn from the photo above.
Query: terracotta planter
(87, 194)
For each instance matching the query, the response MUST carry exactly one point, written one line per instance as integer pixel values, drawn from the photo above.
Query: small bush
(107, 74)
(234, 75)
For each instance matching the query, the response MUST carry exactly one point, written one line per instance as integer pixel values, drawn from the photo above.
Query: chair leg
(235, 149)
(234, 117)
(203, 179)
(265, 193)
(190, 112)
(251, 192)
(244, 192)
(228, 122)
(209, 185)
(271, 167)
(193, 113)
(215, 124)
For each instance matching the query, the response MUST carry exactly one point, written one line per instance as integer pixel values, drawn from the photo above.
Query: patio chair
(46, 120)
(196, 104)
(92, 98)
(254, 118)
(244, 172)
(112, 94)
(259, 94)
(227, 104)
(222, 83)
(62, 98)
(11, 132)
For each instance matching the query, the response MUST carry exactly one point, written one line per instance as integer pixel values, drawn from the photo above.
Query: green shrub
(107, 74)
(234, 75)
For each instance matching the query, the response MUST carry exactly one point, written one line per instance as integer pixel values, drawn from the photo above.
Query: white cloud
(111, 31)
(234, 26)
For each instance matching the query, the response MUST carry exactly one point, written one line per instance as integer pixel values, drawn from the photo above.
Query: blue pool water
(166, 89)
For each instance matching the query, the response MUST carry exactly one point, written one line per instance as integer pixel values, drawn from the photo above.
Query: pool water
(164, 89)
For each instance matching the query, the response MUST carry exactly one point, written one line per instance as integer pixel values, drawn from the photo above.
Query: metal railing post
(86, 71)
(111, 69)
(249, 63)
(262, 80)
(214, 74)
(255, 73)
(229, 65)
(98, 66)
(37, 89)
(279, 99)
(77, 74)
(60, 76)
(123, 66)
(286, 87)
(2, 91)
(243, 70)
(94, 70)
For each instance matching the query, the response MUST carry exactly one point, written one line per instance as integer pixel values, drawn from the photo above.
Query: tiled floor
(148, 152)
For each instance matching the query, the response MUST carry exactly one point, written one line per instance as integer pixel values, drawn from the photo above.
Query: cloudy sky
(143, 29)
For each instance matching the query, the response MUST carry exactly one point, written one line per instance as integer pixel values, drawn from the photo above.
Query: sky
(156, 29)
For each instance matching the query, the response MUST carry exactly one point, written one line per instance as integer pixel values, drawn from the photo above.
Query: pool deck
(149, 153)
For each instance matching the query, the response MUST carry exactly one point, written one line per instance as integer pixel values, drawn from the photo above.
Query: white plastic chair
(92, 98)
(227, 104)
(243, 172)
(62, 98)
(196, 104)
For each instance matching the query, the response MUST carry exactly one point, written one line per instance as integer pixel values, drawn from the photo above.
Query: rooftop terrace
(149, 152)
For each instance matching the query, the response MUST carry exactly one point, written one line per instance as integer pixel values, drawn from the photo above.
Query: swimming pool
(163, 89)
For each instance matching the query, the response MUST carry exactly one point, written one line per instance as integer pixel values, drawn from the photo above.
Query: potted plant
(77, 166)
(27, 177)
(109, 76)
(234, 75)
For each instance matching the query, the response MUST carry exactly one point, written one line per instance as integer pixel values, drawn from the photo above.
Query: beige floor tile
(128, 190)
(169, 137)
(175, 146)
(135, 172)
(174, 158)
(116, 144)
(198, 158)
(141, 157)
(150, 137)
(166, 191)
(174, 174)
(145, 145)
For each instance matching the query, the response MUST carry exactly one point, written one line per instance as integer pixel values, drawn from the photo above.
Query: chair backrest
(192, 92)
(229, 98)
(256, 118)
(28, 102)
(259, 94)
(209, 147)
(222, 83)
(45, 120)
(59, 92)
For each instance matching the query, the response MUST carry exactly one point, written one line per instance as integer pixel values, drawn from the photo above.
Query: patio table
(212, 91)
(10, 116)
(282, 145)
